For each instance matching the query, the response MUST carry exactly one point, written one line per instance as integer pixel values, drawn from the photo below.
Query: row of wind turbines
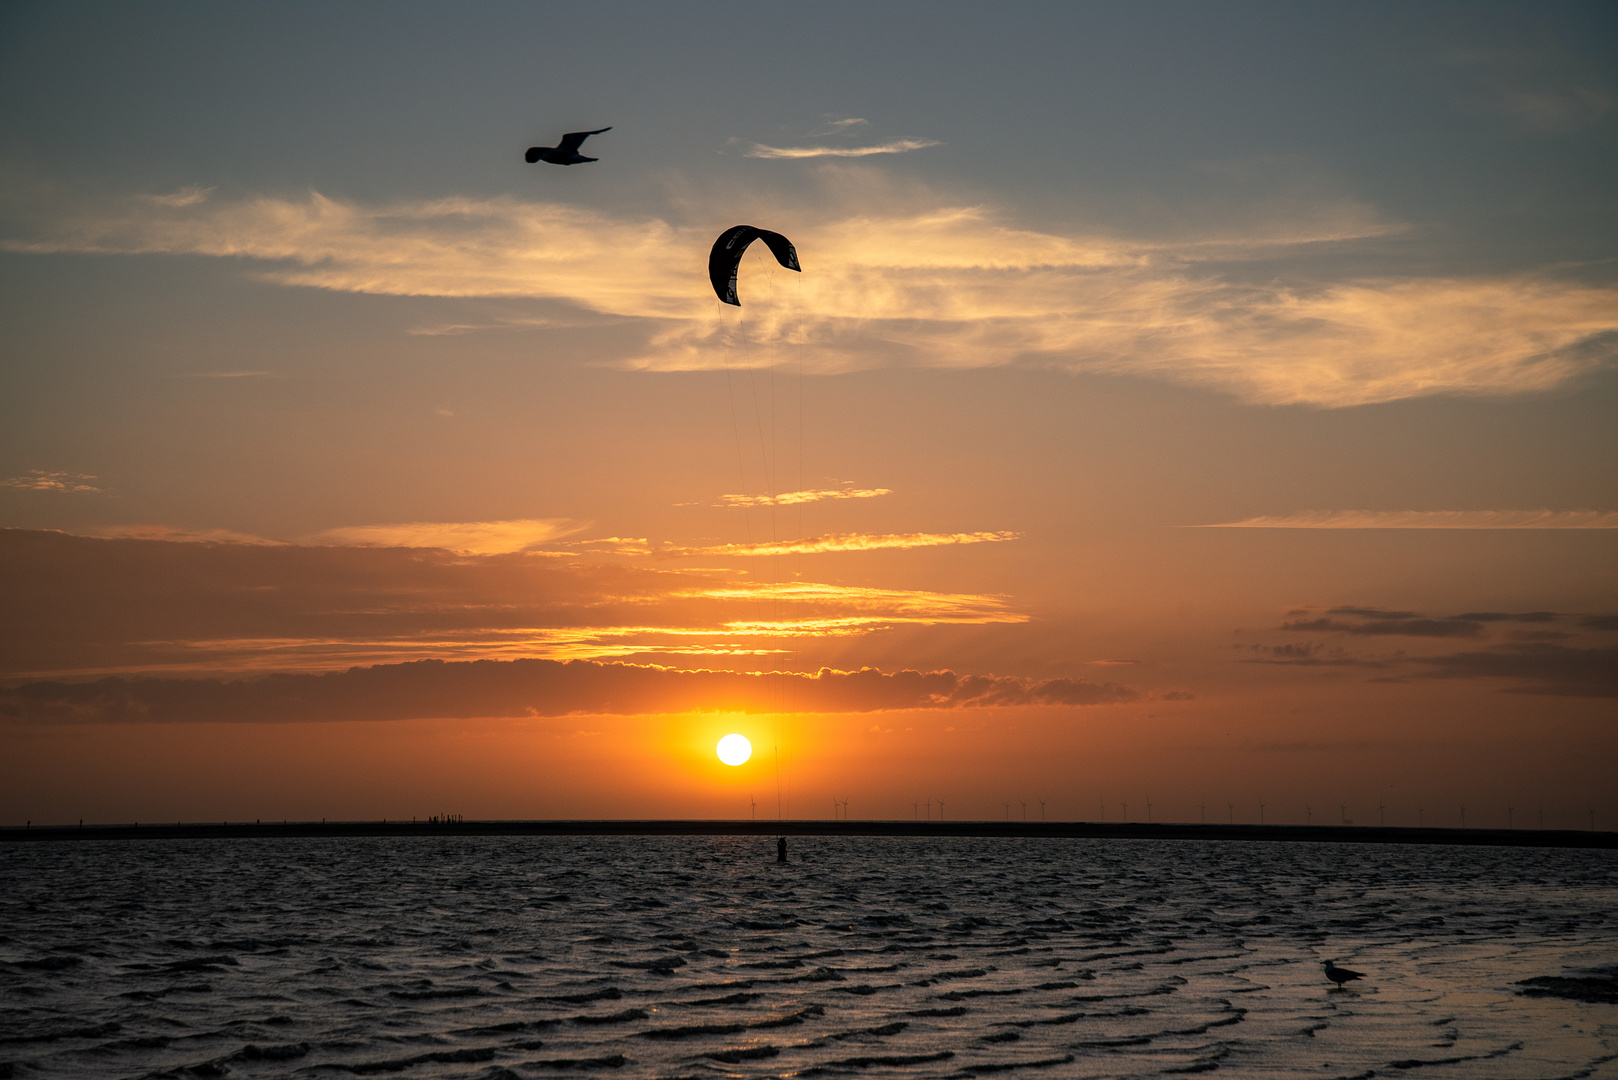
(919, 807)
(840, 808)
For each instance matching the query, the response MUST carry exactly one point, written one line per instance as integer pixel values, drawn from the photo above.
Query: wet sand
(934, 958)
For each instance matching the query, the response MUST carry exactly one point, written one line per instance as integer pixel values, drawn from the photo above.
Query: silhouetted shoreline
(1319, 834)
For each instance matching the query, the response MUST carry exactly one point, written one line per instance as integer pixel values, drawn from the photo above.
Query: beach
(658, 956)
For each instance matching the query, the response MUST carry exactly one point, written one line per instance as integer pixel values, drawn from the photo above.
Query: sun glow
(735, 749)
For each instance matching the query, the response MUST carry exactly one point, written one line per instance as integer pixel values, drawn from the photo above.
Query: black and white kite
(565, 152)
(726, 257)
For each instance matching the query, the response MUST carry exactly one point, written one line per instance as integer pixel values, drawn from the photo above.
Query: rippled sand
(699, 956)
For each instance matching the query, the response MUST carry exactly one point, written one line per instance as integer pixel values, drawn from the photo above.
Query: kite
(726, 257)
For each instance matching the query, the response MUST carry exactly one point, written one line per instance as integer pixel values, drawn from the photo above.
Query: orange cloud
(46, 480)
(815, 545)
(81, 605)
(1429, 519)
(935, 284)
(794, 498)
(468, 537)
(464, 537)
(177, 536)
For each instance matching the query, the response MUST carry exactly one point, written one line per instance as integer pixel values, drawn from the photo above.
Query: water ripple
(502, 958)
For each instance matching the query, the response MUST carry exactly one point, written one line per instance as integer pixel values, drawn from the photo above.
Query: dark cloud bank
(1440, 628)
(1538, 666)
(1557, 670)
(435, 688)
(1376, 622)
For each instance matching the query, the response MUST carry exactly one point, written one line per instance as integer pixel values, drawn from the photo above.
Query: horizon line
(892, 827)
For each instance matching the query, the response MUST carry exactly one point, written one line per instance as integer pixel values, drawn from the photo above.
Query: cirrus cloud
(815, 545)
(232, 603)
(1428, 519)
(896, 146)
(467, 537)
(794, 498)
(939, 285)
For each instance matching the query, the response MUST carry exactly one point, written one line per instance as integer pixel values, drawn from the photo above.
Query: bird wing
(1347, 974)
(575, 139)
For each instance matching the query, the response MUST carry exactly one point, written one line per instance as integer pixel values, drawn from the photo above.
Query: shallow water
(699, 956)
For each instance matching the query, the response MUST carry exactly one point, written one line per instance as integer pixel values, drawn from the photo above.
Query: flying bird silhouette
(565, 152)
(1341, 975)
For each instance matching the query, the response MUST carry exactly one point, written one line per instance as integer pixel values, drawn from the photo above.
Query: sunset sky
(1208, 405)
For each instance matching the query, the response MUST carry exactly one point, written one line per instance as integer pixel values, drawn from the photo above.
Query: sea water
(490, 957)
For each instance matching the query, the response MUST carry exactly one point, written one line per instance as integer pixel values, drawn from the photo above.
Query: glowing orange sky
(1211, 412)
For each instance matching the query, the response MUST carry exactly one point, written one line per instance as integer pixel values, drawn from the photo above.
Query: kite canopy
(726, 257)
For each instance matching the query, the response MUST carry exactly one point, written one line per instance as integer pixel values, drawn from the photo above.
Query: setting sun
(1191, 461)
(735, 749)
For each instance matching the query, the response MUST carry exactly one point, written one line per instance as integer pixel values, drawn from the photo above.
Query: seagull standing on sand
(565, 152)
(1340, 975)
